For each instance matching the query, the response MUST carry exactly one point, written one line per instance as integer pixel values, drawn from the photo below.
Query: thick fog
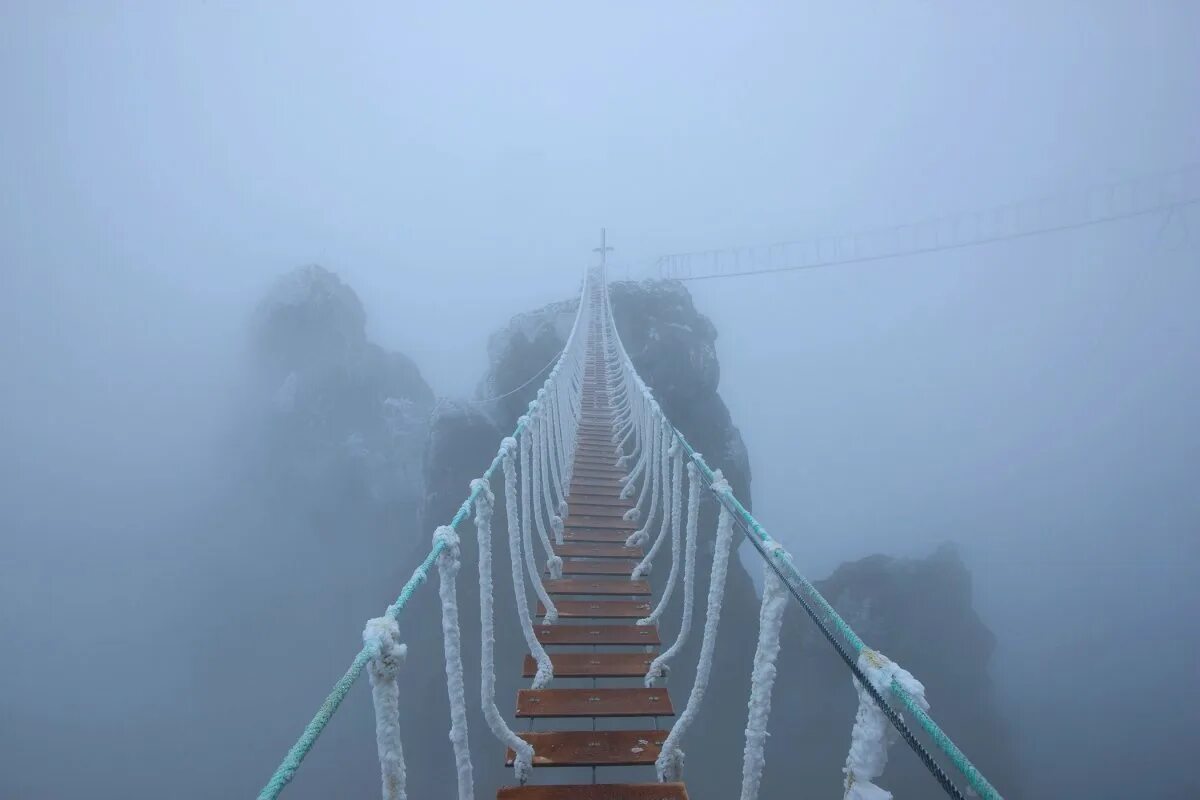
(1033, 400)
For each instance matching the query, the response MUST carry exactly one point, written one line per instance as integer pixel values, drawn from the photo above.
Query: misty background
(1033, 401)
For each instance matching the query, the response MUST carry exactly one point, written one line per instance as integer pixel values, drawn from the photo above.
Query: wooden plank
(597, 550)
(584, 499)
(607, 536)
(631, 635)
(587, 521)
(596, 791)
(596, 586)
(594, 665)
(602, 488)
(601, 702)
(592, 748)
(589, 471)
(603, 566)
(598, 609)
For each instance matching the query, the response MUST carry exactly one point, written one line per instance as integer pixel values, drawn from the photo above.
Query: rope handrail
(781, 563)
(287, 768)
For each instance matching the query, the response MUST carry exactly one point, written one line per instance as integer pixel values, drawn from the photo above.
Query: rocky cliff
(340, 418)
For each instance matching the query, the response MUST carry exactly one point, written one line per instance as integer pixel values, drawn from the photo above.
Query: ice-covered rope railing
(556, 411)
(642, 422)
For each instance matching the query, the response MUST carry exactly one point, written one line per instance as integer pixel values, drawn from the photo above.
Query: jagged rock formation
(344, 418)
(917, 611)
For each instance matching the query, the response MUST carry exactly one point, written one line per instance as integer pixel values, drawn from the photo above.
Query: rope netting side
(659, 666)
(545, 670)
(449, 563)
(669, 763)
(762, 681)
(539, 490)
(673, 473)
(485, 503)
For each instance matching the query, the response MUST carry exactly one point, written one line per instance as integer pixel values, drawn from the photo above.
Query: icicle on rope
(669, 763)
(658, 667)
(762, 680)
(526, 528)
(537, 431)
(872, 735)
(673, 474)
(657, 481)
(676, 525)
(545, 670)
(449, 562)
(383, 634)
(485, 503)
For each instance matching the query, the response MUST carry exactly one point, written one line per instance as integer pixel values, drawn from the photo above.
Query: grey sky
(161, 162)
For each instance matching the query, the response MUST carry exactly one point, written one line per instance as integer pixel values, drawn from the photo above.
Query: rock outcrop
(344, 419)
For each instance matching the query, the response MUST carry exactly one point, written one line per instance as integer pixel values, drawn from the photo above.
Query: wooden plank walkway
(596, 557)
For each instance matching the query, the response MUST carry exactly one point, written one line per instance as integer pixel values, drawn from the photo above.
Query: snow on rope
(673, 462)
(485, 503)
(872, 735)
(541, 495)
(382, 634)
(762, 680)
(669, 763)
(658, 667)
(526, 530)
(545, 671)
(449, 563)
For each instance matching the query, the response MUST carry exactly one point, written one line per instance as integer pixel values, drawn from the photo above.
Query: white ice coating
(526, 523)
(659, 666)
(449, 562)
(541, 494)
(673, 467)
(545, 671)
(656, 480)
(872, 734)
(669, 763)
(384, 633)
(762, 680)
(676, 524)
(485, 502)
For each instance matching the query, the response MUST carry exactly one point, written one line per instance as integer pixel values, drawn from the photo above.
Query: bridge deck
(595, 532)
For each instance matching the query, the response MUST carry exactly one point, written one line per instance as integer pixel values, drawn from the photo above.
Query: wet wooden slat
(596, 791)
(603, 566)
(583, 521)
(594, 665)
(607, 500)
(605, 488)
(599, 609)
(601, 702)
(592, 748)
(597, 550)
(596, 586)
(632, 635)
(599, 535)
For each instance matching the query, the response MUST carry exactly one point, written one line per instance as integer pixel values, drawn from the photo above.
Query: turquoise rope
(291, 762)
(944, 743)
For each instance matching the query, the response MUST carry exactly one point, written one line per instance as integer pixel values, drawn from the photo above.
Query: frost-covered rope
(485, 503)
(382, 634)
(872, 735)
(545, 671)
(676, 524)
(669, 763)
(673, 474)
(658, 491)
(541, 499)
(556, 497)
(449, 563)
(762, 680)
(526, 532)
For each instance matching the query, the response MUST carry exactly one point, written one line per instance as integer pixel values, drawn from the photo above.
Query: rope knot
(509, 445)
(719, 484)
(383, 633)
(485, 491)
(451, 551)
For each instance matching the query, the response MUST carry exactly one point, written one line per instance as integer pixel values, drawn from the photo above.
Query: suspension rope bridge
(608, 486)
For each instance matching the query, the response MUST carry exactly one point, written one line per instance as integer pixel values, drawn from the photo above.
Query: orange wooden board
(605, 702)
(599, 609)
(594, 665)
(596, 586)
(597, 634)
(592, 748)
